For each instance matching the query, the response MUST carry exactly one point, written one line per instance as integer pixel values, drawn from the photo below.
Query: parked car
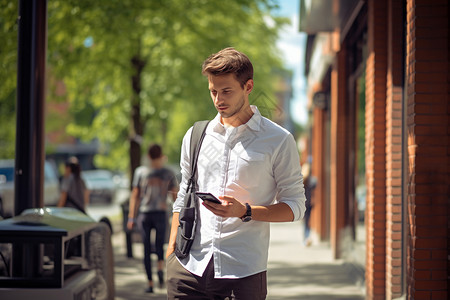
(101, 185)
(51, 186)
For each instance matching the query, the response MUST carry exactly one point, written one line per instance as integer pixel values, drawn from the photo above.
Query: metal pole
(29, 164)
(32, 44)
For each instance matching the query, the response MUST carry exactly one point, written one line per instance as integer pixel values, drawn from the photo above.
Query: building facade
(378, 82)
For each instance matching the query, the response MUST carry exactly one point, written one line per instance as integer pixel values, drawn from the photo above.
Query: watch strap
(248, 213)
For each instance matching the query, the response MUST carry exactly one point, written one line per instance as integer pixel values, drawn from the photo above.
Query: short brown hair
(155, 151)
(229, 61)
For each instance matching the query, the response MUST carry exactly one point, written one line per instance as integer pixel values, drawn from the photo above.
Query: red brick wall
(424, 200)
(375, 149)
(394, 151)
(428, 148)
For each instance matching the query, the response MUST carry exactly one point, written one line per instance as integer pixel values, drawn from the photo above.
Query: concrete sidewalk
(299, 272)
(294, 271)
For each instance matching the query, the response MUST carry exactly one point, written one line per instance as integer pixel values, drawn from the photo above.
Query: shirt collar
(254, 123)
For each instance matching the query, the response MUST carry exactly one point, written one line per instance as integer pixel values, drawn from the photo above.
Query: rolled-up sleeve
(185, 171)
(288, 177)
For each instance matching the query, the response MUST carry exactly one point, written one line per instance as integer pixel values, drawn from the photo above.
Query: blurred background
(363, 85)
(123, 74)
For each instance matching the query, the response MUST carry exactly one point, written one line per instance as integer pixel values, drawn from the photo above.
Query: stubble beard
(235, 111)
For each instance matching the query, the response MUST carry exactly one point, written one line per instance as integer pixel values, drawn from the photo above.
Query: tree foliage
(131, 70)
(8, 77)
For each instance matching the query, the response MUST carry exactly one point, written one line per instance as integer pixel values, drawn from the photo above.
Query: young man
(148, 202)
(252, 165)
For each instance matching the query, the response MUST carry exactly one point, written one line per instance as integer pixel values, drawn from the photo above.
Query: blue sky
(291, 44)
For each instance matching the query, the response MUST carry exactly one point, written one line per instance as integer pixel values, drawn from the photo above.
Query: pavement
(295, 272)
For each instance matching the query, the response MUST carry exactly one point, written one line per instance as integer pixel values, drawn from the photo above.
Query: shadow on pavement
(130, 278)
(294, 273)
(322, 281)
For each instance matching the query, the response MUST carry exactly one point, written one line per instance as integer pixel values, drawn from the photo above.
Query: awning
(326, 15)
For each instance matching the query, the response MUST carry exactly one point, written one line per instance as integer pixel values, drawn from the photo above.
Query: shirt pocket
(250, 168)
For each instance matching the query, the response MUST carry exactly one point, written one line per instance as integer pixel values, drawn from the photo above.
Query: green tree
(131, 69)
(8, 77)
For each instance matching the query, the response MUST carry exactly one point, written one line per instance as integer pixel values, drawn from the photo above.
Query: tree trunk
(137, 128)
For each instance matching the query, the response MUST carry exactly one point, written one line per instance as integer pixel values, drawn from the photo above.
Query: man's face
(229, 98)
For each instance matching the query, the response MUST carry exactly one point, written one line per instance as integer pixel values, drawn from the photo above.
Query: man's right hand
(173, 234)
(169, 251)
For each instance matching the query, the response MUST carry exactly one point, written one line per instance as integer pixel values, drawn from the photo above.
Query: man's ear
(249, 86)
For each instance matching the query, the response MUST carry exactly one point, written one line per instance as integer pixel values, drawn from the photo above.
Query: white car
(100, 184)
(51, 186)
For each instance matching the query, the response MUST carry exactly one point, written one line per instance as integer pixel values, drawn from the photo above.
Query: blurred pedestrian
(148, 208)
(74, 192)
(252, 165)
(310, 183)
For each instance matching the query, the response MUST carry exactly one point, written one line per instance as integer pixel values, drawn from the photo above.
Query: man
(252, 165)
(148, 202)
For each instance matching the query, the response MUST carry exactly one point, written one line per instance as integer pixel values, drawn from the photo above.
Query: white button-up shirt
(257, 163)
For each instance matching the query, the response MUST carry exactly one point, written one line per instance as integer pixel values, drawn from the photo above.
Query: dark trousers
(181, 284)
(146, 222)
(306, 220)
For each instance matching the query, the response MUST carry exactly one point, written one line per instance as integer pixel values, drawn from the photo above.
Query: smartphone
(208, 197)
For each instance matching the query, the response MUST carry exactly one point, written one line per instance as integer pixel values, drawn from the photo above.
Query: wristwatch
(248, 214)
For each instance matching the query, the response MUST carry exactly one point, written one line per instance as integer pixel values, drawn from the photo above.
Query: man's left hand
(230, 207)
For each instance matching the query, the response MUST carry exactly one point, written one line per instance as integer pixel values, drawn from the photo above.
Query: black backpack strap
(197, 136)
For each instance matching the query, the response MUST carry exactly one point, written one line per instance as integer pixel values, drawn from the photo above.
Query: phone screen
(208, 197)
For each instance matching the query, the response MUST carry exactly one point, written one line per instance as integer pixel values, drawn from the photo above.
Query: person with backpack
(148, 207)
(252, 166)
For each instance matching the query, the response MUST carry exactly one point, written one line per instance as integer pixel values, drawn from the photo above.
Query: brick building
(378, 77)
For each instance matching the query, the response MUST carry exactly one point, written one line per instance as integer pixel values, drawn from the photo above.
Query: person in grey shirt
(148, 206)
